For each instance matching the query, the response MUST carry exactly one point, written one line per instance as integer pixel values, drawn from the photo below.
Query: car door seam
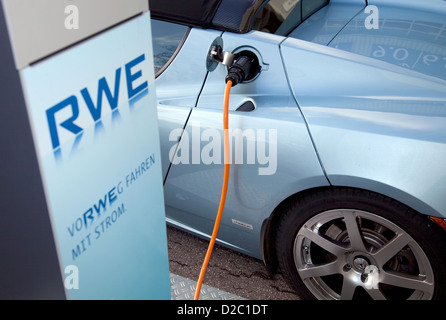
(303, 115)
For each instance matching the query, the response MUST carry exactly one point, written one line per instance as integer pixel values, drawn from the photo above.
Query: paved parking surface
(228, 270)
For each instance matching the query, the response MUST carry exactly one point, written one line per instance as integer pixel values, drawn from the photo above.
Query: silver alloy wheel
(344, 252)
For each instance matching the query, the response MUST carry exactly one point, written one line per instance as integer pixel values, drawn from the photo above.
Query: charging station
(82, 196)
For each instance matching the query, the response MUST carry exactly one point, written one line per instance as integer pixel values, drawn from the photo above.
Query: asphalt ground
(227, 270)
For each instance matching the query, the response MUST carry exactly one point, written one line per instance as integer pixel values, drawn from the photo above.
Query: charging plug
(239, 70)
(245, 67)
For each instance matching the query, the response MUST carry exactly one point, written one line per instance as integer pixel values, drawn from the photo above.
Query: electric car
(337, 137)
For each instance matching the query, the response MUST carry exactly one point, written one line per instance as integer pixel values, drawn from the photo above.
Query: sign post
(92, 111)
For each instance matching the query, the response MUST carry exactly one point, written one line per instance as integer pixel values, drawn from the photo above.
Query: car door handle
(247, 106)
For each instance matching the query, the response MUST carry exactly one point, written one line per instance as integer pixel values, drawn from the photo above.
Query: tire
(353, 244)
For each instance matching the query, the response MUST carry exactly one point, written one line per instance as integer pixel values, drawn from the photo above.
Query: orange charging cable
(223, 191)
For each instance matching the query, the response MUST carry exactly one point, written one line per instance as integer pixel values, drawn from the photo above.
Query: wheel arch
(269, 226)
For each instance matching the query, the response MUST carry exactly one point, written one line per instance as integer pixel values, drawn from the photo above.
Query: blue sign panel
(93, 115)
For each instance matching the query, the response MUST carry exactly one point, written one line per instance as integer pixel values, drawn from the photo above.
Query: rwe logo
(63, 115)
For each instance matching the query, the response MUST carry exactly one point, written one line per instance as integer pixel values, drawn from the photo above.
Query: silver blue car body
(342, 100)
(344, 116)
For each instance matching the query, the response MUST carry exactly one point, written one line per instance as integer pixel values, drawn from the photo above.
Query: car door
(271, 151)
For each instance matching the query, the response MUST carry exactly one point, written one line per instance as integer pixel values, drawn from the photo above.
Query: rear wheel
(353, 244)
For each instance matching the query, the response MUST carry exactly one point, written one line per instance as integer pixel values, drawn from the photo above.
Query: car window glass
(282, 16)
(167, 38)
